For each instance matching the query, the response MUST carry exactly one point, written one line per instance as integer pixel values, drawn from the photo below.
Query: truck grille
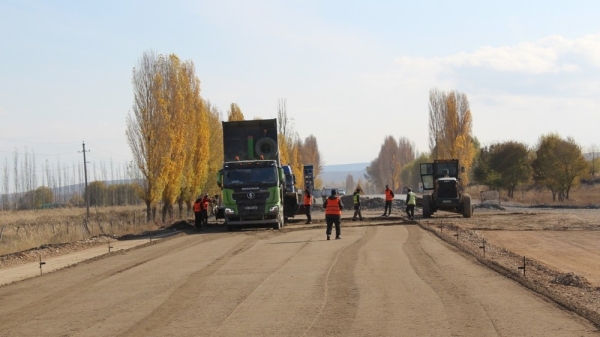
(251, 205)
(251, 197)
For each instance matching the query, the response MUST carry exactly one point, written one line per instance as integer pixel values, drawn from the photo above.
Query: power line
(114, 154)
(30, 142)
(42, 154)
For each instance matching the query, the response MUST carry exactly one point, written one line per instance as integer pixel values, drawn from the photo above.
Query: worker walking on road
(333, 213)
(307, 204)
(198, 213)
(411, 201)
(389, 196)
(205, 205)
(356, 201)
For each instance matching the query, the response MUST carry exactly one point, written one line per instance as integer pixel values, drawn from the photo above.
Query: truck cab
(252, 181)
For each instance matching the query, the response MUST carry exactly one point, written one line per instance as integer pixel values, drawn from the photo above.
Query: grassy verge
(22, 230)
(580, 195)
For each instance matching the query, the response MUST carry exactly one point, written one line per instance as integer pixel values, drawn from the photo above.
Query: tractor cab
(442, 178)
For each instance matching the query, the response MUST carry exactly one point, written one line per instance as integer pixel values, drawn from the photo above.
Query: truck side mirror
(462, 169)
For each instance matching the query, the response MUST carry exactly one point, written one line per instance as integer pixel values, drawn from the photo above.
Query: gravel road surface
(379, 280)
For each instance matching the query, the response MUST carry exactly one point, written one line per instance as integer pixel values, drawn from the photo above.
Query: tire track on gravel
(464, 311)
(341, 295)
(44, 303)
(285, 262)
(182, 297)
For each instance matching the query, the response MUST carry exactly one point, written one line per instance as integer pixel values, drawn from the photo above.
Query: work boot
(353, 219)
(308, 222)
(362, 219)
(338, 237)
(328, 237)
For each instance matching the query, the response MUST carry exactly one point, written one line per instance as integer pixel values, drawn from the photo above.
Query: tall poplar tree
(450, 128)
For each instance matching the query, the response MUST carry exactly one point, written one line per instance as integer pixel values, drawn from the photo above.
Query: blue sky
(351, 72)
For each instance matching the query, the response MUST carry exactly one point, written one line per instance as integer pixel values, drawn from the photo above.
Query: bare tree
(389, 163)
(350, 185)
(6, 187)
(406, 151)
(310, 153)
(594, 150)
(143, 131)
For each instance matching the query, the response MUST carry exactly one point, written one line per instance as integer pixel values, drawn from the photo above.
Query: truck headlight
(229, 211)
(274, 209)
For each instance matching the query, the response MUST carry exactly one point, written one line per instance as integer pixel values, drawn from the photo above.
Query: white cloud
(553, 54)
(519, 92)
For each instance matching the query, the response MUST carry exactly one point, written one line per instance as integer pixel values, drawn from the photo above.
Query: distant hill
(335, 175)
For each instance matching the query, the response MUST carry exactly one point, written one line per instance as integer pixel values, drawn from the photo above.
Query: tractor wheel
(467, 208)
(426, 206)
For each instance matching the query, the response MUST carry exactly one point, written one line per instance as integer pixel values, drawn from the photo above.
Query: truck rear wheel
(427, 206)
(467, 208)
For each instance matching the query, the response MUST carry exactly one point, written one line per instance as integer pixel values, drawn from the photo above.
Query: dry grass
(581, 195)
(23, 230)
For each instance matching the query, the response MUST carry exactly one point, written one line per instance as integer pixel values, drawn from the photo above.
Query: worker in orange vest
(198, 213)
(389, 196)
(307, 204)
(205, 204)
(333, 213)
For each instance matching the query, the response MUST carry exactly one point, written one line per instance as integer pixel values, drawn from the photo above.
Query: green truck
(252, 180)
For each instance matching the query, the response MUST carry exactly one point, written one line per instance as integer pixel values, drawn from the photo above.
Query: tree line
(175, 136)
(28, 184)
(554, 163)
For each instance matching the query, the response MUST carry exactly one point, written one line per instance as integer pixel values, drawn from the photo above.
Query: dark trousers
(357, 212)
(198, 219)
(204, 217)
(410, 210)
(388, 207)
(307, 210)
(333, 219)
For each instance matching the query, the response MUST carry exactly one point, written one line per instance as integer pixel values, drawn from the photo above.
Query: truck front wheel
(279, 222)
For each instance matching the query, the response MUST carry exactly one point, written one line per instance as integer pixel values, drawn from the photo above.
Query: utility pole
(87, 193)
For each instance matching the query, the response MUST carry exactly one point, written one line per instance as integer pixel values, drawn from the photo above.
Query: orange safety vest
(197, 207)
(388, 195)
(307, 200)
(205, 203)
(333, 207)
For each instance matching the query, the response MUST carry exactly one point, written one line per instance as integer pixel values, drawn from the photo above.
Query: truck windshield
(256, 175)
